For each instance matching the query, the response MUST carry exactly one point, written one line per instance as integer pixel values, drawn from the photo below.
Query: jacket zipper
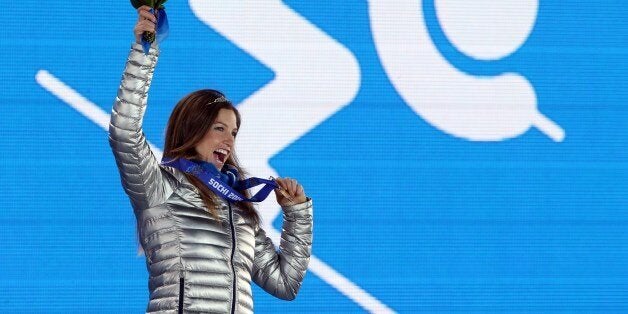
(181, 288)
(233, 244)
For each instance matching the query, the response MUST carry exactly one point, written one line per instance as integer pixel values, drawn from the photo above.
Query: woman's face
(218, 142)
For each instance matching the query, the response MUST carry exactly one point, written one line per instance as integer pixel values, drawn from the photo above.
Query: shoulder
(173, 175)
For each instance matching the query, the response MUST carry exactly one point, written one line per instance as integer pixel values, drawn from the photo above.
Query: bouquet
(155, 4)
(161, 28)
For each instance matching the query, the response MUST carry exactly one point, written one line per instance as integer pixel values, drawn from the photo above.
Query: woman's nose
(230, 138)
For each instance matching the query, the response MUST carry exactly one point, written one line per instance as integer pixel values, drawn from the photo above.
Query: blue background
(423, 221)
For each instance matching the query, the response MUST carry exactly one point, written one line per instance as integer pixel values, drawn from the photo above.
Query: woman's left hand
(290, 192)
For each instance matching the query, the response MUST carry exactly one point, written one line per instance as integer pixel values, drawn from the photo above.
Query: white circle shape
(487, 29)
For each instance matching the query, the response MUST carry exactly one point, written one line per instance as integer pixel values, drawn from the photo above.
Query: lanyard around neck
(215, 180)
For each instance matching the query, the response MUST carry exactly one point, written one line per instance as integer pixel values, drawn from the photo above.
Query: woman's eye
(219, 128)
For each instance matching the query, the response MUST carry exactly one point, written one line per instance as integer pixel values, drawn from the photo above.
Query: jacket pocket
(181, 289)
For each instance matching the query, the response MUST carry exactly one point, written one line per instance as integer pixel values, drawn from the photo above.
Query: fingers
(291, 186)
(141, 27)
(144, 26)
(283, 183)
(146, 22)
(143, 13)
(289, 192)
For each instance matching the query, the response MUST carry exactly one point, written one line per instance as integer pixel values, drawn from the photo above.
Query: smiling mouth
(220, 155)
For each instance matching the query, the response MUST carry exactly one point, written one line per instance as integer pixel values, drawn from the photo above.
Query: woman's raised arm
(143, 180)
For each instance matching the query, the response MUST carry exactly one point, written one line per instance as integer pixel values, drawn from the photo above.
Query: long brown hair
(189, 121)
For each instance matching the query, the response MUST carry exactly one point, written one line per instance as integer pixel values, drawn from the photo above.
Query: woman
(202, 251)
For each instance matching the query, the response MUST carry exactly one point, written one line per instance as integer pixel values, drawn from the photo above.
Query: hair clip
(219, 99)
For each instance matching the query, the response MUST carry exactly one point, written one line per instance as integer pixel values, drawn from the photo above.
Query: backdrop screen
(463, 156)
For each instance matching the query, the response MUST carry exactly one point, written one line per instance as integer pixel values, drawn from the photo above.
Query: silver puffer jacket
(196, 263)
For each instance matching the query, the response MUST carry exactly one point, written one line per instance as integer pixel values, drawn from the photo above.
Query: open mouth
(220, 155)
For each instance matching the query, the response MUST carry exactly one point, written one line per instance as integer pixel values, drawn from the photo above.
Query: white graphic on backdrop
(315, 76)
(471, 107)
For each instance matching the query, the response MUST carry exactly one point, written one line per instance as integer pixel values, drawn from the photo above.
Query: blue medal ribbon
(161, 29)
(219, 182)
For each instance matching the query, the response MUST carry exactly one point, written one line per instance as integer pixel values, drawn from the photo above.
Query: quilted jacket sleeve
(281, 273)
(143, 180)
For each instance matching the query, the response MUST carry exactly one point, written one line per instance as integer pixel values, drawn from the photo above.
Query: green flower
(155, 4)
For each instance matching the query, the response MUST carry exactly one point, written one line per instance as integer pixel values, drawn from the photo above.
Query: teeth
(222, 151)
